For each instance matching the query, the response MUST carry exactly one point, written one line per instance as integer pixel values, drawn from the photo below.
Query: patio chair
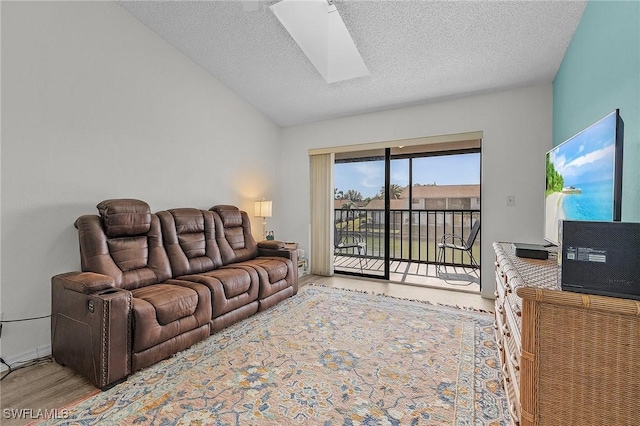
(456, 242)
(349, 241)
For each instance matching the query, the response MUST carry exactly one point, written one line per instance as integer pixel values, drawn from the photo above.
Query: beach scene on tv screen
(580, 177)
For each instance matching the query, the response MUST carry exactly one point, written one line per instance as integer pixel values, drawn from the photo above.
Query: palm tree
(348, 205)
(353, 195)
(338, 195)
(395, 191)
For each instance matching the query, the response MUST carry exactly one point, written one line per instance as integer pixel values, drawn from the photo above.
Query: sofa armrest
(84, 282)
(271, 244)
(283, 252)
(279, 249)
(91, 326)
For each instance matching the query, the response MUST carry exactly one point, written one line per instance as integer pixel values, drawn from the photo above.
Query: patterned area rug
(324, 357)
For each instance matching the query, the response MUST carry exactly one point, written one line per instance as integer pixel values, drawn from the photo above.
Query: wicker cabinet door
(580, 360)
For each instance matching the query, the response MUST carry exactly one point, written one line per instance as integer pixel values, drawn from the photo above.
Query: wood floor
(26, 392)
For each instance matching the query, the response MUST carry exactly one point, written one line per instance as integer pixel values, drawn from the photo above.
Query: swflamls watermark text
(32, 414)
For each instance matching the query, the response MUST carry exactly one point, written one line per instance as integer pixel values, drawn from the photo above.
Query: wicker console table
(567, 358)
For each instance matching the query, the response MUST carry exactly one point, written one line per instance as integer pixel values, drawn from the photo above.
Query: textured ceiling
(417, 51)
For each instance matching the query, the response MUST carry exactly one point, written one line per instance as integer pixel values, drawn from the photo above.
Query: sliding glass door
(393, 206)
(438, 194)
(359, 207)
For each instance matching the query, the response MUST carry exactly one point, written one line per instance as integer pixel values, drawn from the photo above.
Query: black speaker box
(531, 251)
(601, 258)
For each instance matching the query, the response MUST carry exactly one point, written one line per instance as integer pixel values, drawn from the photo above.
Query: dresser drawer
(501, 290)
(513, 320)
(510, 387)
(501, 277)
(512, 363)
(498, 329)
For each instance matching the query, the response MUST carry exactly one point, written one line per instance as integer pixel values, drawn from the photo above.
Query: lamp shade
(263, 208)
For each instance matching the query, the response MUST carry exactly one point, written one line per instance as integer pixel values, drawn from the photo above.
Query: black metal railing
(414, 234)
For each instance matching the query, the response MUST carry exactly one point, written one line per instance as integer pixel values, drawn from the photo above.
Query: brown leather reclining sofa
(154, 284)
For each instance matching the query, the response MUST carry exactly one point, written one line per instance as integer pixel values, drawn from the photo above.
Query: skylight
(322, 35)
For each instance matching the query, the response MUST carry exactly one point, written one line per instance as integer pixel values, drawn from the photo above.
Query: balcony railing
(414, 234)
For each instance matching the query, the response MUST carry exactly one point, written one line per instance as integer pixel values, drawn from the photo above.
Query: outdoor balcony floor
(413, 273)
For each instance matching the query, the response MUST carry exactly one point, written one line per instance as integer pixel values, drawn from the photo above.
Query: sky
(368, 177)
(588, 156)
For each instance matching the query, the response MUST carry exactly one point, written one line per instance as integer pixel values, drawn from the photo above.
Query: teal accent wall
(599, 73)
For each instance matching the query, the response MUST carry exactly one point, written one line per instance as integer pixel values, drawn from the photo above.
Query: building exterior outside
(425, 197)
(444, 197)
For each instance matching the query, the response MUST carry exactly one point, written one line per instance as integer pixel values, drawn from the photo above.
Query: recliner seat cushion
(276, 268)
(162, 312)
(234, 281)
(231, 287)
(170, 302)
(272, 273)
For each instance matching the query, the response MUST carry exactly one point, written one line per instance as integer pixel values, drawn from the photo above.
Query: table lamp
(263, 210)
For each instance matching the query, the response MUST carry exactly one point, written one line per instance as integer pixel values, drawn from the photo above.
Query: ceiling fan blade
(316, 26)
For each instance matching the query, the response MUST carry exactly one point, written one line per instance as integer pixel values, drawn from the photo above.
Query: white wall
(96, 106)
(517, 132)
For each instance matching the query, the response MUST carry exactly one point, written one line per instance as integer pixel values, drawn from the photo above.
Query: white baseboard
(17, 360)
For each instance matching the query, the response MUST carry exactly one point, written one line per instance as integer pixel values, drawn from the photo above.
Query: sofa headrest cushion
(230, 215)
(188, 220)
(125, 217)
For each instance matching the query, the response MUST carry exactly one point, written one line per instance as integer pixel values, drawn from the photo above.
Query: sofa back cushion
(190, 240)
(233, 233)
(125, 243)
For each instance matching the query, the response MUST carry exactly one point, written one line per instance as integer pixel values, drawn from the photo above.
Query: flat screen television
(584, 176)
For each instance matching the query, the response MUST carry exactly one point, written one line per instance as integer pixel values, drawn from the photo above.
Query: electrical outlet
(511, 200)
